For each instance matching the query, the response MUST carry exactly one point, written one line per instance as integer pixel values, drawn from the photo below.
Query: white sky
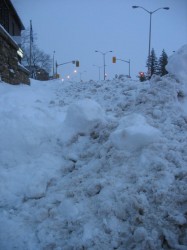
(76, 28)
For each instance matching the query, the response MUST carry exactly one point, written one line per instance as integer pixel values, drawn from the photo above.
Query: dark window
(4, 15)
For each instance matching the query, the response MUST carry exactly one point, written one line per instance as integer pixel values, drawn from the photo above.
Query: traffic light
(77, 64)
(114, 59)
(141, 74)
(142, 77)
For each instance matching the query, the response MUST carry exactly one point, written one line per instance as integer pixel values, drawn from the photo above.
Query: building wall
(11, 71)
(14, 29)
(9, 18)
(4, 14)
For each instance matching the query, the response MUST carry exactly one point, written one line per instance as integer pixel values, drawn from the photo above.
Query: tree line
(156, 66)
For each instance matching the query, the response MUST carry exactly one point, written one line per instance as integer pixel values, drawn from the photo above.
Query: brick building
(11, 70)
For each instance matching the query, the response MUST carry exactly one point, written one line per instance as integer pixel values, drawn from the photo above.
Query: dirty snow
(95, 165)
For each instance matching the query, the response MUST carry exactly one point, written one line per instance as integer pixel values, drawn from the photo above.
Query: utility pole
(31, 42)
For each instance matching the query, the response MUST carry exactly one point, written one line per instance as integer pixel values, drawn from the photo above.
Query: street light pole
(149, 51)
(104, 65)
(99, 67)
(150, 23)
(53, 63)
(104, 54)
(80, 73)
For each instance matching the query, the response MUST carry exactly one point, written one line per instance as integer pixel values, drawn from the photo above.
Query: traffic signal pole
(74, 62)
(114, 59)
(128, 63)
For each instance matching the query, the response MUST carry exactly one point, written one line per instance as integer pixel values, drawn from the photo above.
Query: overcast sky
(74, 29)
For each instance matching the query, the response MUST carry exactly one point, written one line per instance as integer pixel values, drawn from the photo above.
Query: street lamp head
(166, 8)
(134, 7)
(110, 51)
(96, 50)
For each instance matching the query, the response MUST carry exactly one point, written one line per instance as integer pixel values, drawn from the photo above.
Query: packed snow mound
(82, 116)
(177, 64)
(134, 132)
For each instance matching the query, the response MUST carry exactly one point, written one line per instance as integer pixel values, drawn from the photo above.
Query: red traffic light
(141, 74)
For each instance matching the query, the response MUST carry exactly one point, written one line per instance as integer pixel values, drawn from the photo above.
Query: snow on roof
(23, 67)
(4, 33)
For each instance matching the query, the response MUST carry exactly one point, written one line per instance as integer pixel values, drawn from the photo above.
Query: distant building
(11, 70)
(38, 73)
(42, 74)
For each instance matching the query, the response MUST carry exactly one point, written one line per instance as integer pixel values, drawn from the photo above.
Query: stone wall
(11, 71)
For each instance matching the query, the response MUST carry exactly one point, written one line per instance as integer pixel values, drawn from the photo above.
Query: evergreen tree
(152, 63)
(163, 60)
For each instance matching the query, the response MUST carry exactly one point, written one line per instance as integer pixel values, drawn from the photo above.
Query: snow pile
(94, 165)
(177, 64)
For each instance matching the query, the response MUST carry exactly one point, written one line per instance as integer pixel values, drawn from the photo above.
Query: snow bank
(177, 64)
(72, 172)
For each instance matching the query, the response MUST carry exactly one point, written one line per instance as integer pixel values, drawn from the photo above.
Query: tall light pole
(150, 21)
(99, 68)
(53, 63)
(80, 73)
(104, 54)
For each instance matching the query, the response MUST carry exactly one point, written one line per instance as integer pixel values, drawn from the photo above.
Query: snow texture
(95, 165)
(177, 64)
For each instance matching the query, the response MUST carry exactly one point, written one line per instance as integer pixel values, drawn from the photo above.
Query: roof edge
(17, 16)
